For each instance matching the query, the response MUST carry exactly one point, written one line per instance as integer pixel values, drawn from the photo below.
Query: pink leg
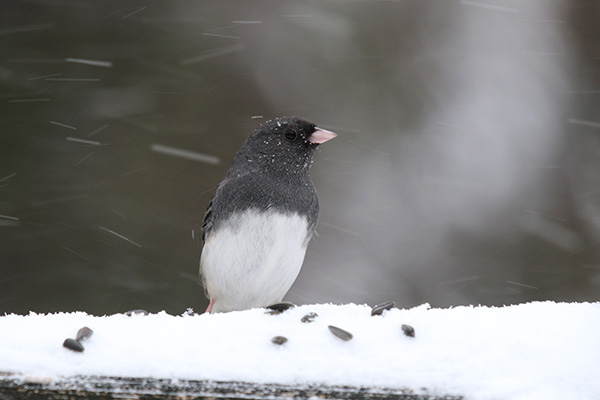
(210, 306)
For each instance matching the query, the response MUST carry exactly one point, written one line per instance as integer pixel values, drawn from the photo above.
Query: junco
(261, 217)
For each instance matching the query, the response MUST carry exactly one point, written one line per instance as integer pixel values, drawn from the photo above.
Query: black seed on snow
(83, 334)
(279, 340)
(73, 344)
(310, 317)
(281, 307)
(339, 332)
(380, 308)
(408, 330)
(131, 313)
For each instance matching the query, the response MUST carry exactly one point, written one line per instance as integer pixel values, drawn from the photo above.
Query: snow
(541, 350)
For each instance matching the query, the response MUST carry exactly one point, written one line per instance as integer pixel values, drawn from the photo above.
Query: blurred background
(466, 171)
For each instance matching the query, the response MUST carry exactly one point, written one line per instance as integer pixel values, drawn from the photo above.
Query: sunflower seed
(281, 307)
(279, 340)
(73, 344)
(408, 330)
(339, 332)
(310, 317)
(380, 308)
(83, 334)
(131, 313)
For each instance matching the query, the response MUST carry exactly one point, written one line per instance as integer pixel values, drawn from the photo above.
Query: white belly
(253, 259)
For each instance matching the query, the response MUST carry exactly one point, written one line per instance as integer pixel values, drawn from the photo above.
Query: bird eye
(291, 135)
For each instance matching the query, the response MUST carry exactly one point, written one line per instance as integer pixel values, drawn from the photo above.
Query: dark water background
(466, 171)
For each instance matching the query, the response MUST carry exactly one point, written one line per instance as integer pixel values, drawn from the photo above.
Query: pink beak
(321, 136)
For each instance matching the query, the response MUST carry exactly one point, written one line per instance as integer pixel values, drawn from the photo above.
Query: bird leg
(210, 306)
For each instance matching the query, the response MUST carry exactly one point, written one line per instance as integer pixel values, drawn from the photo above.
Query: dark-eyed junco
(261, 217)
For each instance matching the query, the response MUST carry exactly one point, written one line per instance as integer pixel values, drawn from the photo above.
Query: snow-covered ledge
(541, 350)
